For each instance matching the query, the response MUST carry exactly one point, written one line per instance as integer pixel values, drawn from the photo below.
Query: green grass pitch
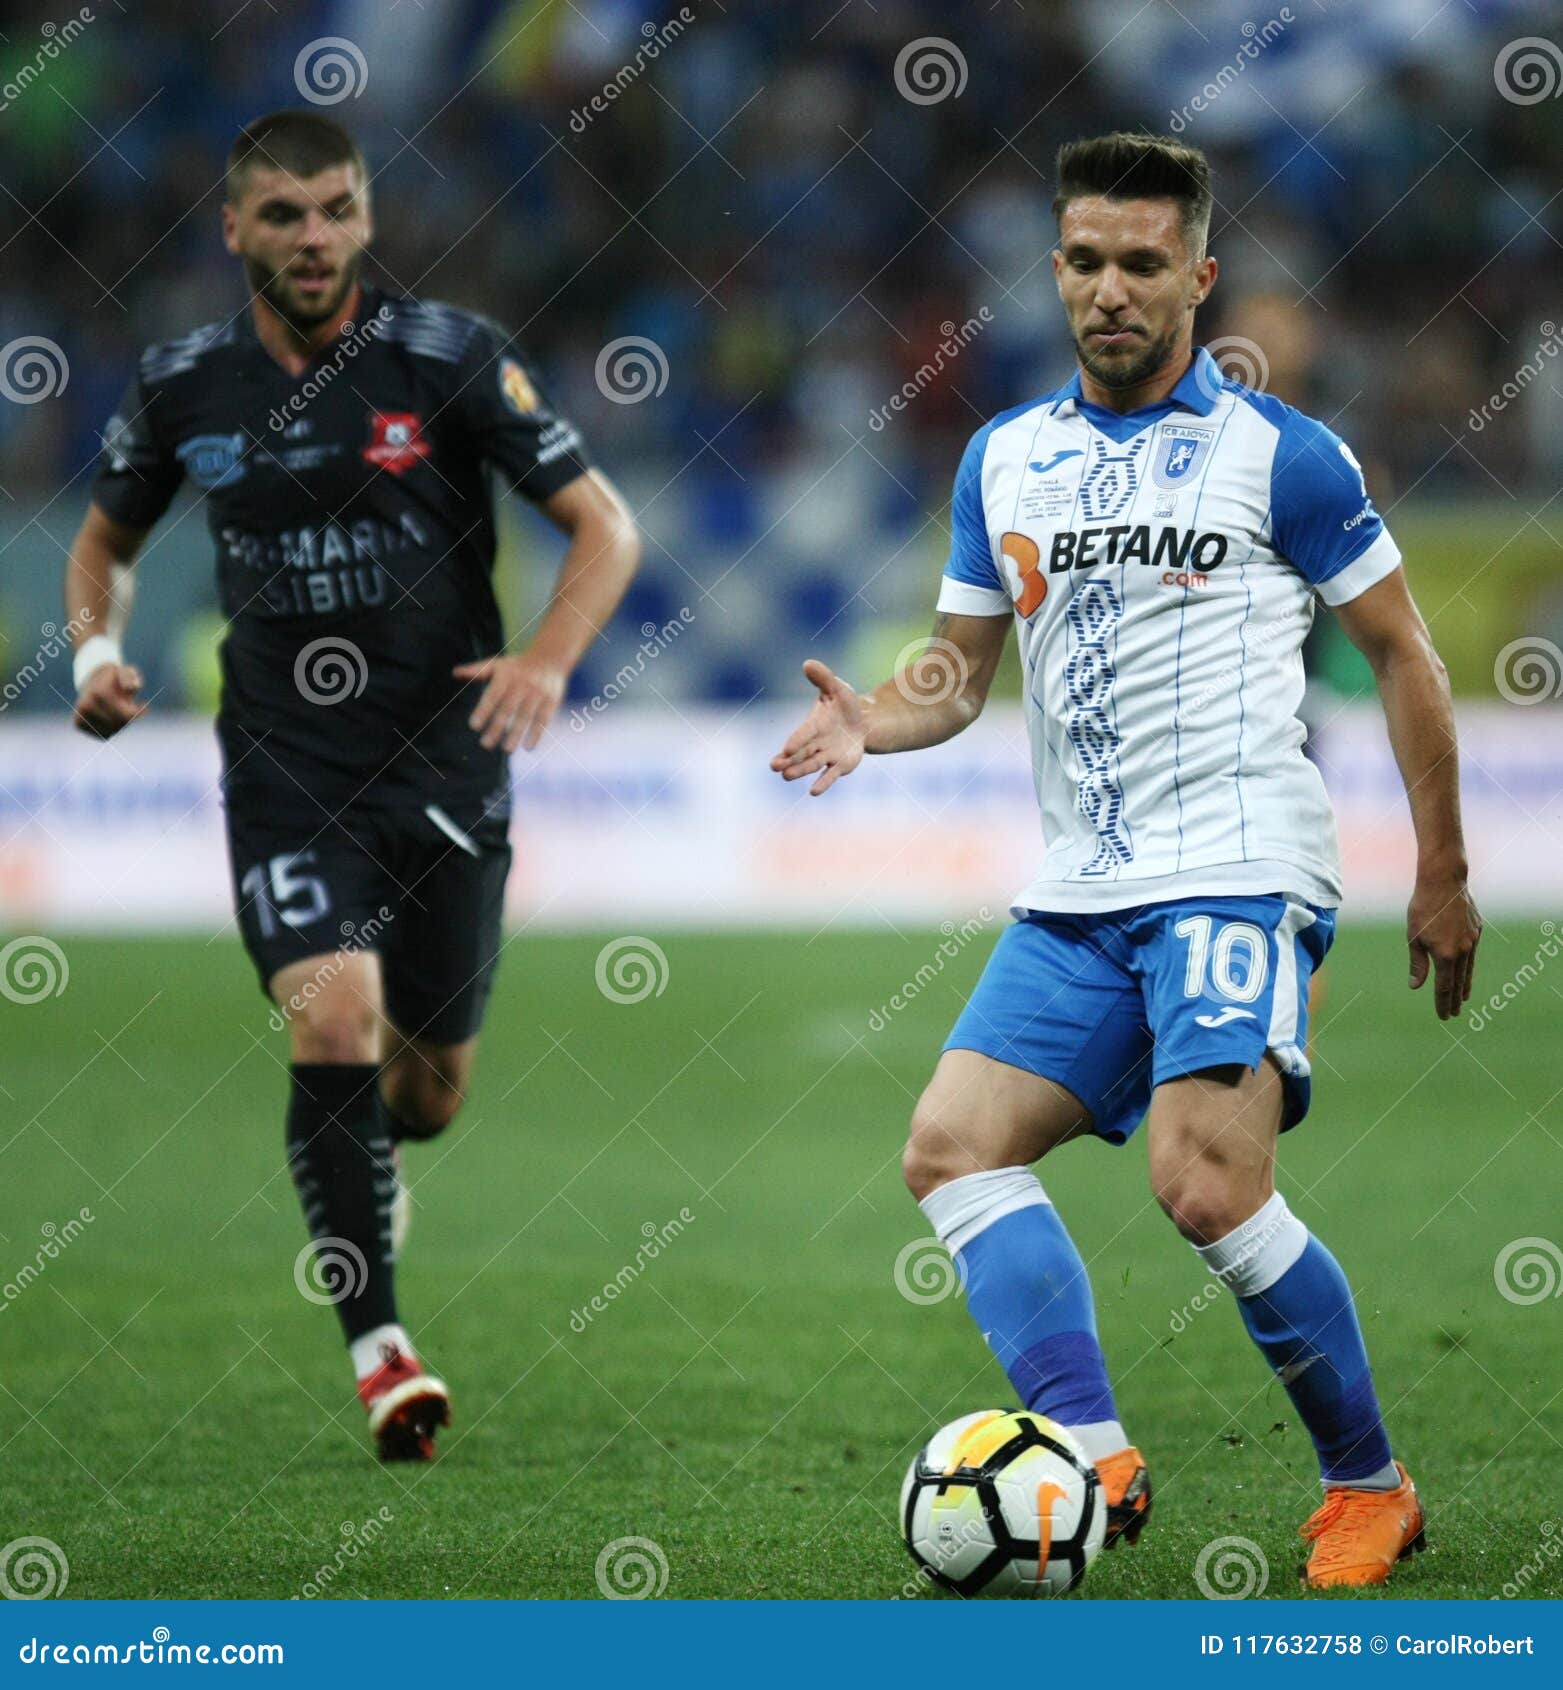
(179, 1419)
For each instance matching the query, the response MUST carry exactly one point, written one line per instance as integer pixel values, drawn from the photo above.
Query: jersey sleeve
(509, 423)
(972, 585)
(1322, 520)
(138, 474)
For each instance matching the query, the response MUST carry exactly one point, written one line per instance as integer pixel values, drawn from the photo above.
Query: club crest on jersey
(213, 460)
(1180, 455)
(396, 442)
(519, 393)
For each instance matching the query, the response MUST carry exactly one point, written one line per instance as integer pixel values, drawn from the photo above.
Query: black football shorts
(424, 888)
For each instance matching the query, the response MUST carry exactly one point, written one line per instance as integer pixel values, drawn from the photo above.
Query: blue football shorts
(1112, 1005)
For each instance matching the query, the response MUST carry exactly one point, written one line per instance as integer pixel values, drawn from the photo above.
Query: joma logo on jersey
(1167, 548)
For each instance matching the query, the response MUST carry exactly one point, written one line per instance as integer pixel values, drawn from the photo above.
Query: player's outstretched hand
(519, 702)
(831, 736)
(1443, 929)
(108, 701)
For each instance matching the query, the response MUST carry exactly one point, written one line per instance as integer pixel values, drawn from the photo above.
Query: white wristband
(91, 655)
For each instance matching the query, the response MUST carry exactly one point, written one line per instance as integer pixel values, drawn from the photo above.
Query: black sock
(339, 1152)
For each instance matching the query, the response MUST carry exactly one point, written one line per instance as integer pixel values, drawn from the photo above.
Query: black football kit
(352, 509)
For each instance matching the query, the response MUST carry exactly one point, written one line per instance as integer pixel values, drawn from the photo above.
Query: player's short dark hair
(1122, 166)
(301, 142)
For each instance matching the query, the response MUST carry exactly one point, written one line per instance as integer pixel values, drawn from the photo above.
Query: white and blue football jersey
(1162, 566)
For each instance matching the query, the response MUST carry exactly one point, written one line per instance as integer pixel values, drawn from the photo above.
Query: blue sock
(1297, 1307)
(1027, 1289)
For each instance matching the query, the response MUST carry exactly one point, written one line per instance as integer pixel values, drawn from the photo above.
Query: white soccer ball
(1000, 1504)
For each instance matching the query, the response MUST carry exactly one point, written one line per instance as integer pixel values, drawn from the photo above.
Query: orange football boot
(1126, 1485)
(1359, 1535)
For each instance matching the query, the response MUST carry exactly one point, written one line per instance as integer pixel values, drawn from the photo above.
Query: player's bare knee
(1207, 1201)
(336, 1029)
(935, 1153)
(429, 1105)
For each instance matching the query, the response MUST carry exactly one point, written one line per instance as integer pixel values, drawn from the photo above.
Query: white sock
(369, 1351)
(1100, 1439)
(1253, 1256)
(1387, 1478)
(966, 1206)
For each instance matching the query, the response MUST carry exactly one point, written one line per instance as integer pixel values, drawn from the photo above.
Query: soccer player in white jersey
(1159, 535)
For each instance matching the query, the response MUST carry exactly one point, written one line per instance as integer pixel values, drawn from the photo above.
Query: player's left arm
(1442, 923)
(504, 417)
(525, 689)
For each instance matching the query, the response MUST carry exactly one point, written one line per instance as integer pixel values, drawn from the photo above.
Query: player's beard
(1117, 370)
(272, 286)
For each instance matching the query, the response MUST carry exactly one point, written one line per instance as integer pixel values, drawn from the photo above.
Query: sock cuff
(332, 1086)
(967, 1206)
(1253, 1256)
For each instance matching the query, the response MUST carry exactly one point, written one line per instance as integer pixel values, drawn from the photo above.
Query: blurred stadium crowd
(803, 222)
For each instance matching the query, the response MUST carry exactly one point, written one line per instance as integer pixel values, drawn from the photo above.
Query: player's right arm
(943, 688)
(96, 597)
(138, 475)
(941, 691)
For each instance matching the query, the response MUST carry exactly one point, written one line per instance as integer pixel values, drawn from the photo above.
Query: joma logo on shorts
(1158, 548)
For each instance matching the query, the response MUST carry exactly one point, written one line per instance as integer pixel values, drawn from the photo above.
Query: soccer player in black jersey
(346, 439)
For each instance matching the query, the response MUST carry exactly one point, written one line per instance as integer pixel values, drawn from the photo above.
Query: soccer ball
(1001, 1504)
